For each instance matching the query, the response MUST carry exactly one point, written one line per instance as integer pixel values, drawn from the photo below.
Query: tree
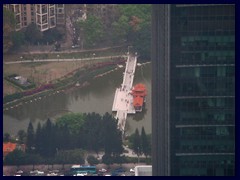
(92, 160)
(22, 135)
(145, 144)
(107, 159)
(17, 38)
(111, 136)
(16, 157)
(137, 143)
(62, 138)
(6, 137)
(57, 46)
(76, 156)
(92, 30)
(142, 40)
(120, 160)
(117, 147)
(48, 141)
(39, 139)
(8, 28)
(121, 29)
(70, 156)
(73, 121)
(32, 159)
(32, 34)
(134, 25)
(51, 35)
(62, 157)
(30, 138)
(92, 132)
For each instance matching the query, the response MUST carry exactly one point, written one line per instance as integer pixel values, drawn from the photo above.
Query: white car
(81, 174)
(102, 170)
(37, 172)
(19, 171)
(132, 170)
(52, 174)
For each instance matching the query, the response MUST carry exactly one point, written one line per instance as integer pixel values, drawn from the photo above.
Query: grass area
(44, 72)
(82, 75)
(60, 74)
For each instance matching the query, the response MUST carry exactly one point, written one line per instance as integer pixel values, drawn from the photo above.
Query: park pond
(96, 97)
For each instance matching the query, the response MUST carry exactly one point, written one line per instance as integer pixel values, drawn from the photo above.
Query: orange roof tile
(9, 147)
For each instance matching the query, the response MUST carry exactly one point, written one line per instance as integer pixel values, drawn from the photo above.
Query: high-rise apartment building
(193, 115)
(60, 15)
(45, 16)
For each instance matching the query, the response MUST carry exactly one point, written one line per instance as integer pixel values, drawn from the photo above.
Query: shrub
(12, 97)
(92, 160)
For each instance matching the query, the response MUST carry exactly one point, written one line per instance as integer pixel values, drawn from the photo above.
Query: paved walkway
(50, 49)
(62, 60)
(123, 100)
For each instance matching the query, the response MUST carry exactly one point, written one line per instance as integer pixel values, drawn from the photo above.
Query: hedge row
(39, 89)
(12, 97)
(15, 96)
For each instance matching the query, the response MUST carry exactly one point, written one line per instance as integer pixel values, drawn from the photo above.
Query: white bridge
(123, 100)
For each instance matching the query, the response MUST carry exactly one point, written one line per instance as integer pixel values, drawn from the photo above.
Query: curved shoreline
(65, 87)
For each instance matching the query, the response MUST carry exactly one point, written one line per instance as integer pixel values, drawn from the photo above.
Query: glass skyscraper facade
(194, 88)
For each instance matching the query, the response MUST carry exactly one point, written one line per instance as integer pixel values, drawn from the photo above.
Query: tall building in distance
(193, 115)
(45, 16)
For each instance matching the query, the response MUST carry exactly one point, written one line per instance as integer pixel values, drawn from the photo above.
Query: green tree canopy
(77, 156)
(51, 35)
(145, 143)
(63, 157)
(48, 139)
(112, 136)
(30, 143)
(6, 137)
(8, 28)
(39, 138)
(142, 41)
(73, 121)
(92, 160)
(33, 34)
(134, 25)
(121, 29)
(22, 135)
(137, 143)
(92, 131)
(16, 157)
(107, 159)
(18, 38)
(93, 30)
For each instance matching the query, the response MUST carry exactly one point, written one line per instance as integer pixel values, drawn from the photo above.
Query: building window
(52, 11)
(60, 11)
(44, 19)
(44, 9)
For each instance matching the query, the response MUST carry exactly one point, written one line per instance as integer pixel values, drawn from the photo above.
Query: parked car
(102, 170)
(118, 172)
(132, 170)
(19, 172)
